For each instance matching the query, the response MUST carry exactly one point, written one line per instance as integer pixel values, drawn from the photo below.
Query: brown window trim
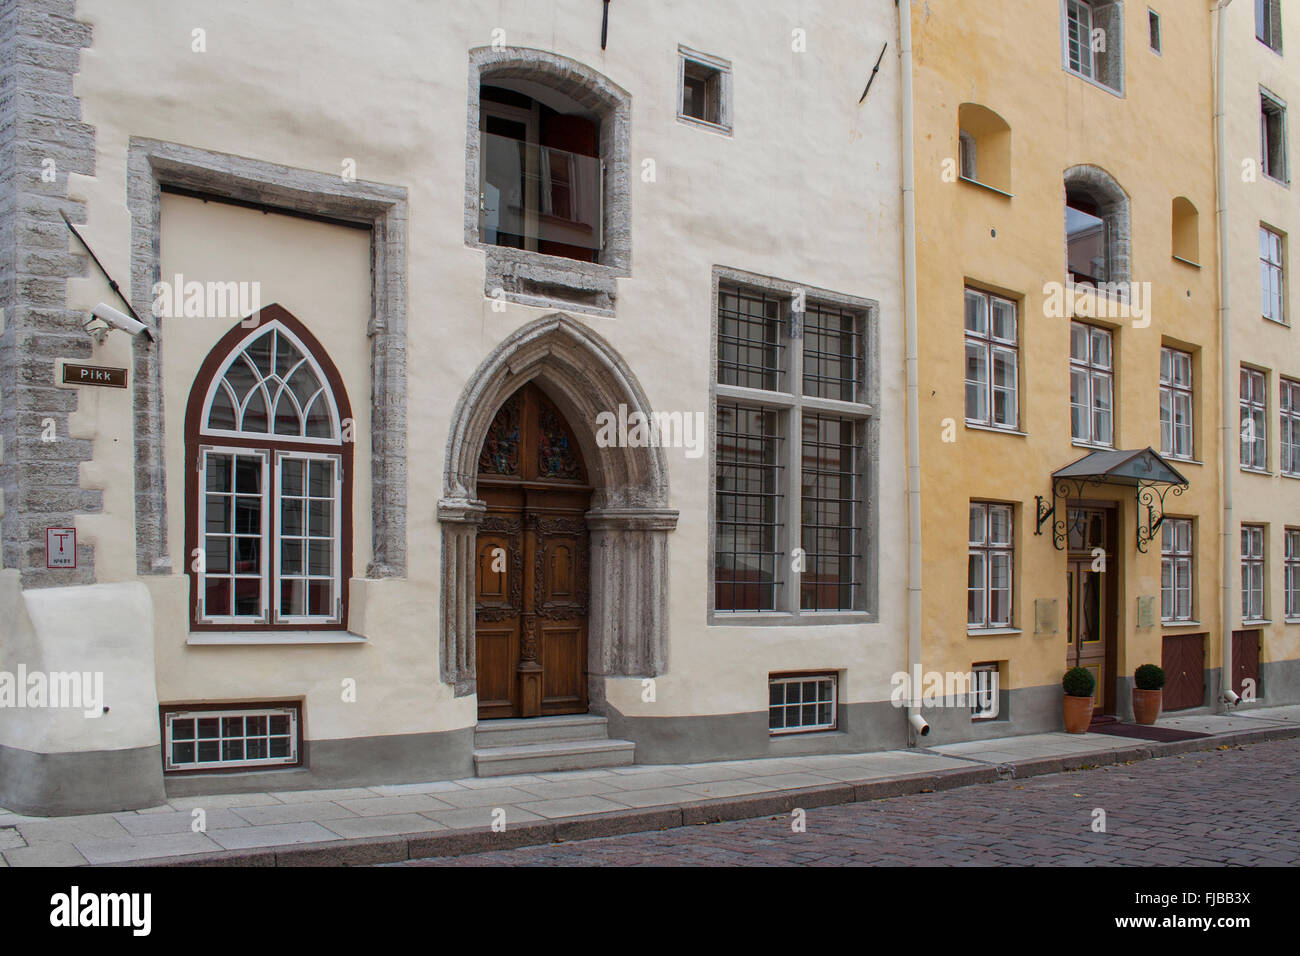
(294, 705)
(195, 441)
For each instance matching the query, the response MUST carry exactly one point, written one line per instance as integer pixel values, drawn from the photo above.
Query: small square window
(1153, 30)
(705, 90)
(984, 689)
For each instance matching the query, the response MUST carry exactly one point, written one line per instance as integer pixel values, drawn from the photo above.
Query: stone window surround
(153, 164)
(870, 464)
(533, 278)
(1114, 206)
(629, 518)
(723, 126)
(1118, 18)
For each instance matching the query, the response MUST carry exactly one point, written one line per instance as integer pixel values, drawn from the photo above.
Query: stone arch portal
(629, 519)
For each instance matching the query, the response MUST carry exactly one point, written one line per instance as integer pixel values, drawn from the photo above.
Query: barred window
(790, 468)
(990, 566)
(1176, 403)
(1290, 426)
(1254, 420)
(801, 703)
(1176, 569)
(1252, 572)
(992, 361)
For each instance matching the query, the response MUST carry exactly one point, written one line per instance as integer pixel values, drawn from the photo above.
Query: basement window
(231, 739)
(984, 689)
(704, 90)
(801, 703)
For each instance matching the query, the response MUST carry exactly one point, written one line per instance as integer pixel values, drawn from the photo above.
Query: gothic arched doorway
(532, 563)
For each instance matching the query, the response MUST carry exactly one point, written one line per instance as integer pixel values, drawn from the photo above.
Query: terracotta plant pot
(1078, 714)
(1146, 705)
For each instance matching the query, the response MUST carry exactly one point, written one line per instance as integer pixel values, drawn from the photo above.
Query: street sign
(93, 375)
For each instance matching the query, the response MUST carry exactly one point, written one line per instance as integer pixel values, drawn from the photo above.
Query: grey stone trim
(1113, 205)
(725, 86)
(1279, 683)
(88, 781)
(629, 520)
(532, 278)
(40, 122)
(348, 762)
(153, 164)
(870, 518)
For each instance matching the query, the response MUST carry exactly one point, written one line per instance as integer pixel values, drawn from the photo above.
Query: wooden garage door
(1245, 662)
(1183, 660)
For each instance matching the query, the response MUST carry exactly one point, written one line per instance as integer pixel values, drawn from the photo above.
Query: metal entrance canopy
(1151, 477)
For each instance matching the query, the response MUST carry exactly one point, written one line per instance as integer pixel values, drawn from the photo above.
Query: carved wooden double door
(532, 569)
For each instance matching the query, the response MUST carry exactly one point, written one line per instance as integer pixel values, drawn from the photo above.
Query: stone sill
(1175, 624)
(704, 124)
(976, 426)
(249, 638)
(993, 631)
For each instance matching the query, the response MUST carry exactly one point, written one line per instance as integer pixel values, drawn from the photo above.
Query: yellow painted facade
(1154, 138)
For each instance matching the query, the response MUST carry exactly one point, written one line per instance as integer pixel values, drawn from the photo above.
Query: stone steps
(547, 745)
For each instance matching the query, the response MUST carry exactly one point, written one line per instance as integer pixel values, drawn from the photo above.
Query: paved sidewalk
(410, 821)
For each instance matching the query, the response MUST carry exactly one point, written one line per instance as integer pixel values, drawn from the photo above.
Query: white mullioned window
(1176, 403)
(992, 361)
(1289, 413)
(1092, 40)
(1252, 572)
(1176, 569)
(1254, 420)
(799, 703)
(230, 739)
(270, 512)
(1293, 573)
(1272, 275)
(1092, 385)
(1078, 36)
(984, 691)
(990, 563)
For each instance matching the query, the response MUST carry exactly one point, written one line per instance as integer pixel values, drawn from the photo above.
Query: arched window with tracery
(268, 498)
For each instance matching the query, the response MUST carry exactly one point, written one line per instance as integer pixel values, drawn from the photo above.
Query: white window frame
(985, 549)
(1292, 581)
(1085, 64)
(1255, 411)
(991, 345)
(1272, 266)
(336, 553)
(205, 451)
(1091, 369)
(1176, 383)
(819, 727)
(985, 685)
(169, 716)
(1289, 426)
(1254, 573)
(1177, 570)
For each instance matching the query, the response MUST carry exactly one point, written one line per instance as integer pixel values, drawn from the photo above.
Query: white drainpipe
(917, 725)
(1230, 411)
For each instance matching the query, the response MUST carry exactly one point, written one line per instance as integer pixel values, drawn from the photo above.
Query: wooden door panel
(1183, 660)
(1245, 662)
(498, 650)
(564, 664)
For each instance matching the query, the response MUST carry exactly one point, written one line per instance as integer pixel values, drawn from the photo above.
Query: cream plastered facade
(1255, 200)
(804, 188)
(1155, 141)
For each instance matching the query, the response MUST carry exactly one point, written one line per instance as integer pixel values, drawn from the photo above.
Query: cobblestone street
(1238, 806)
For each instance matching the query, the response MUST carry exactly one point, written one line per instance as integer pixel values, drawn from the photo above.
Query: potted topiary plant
(1079, 685)
(1148, 681)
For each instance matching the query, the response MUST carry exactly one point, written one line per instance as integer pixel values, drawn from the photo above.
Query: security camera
(919, 725)
(113, 319)
(1230, 697)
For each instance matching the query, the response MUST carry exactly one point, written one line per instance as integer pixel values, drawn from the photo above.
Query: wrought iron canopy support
(1151, 497)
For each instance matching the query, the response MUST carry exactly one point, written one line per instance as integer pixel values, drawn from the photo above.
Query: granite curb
(395, 849)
